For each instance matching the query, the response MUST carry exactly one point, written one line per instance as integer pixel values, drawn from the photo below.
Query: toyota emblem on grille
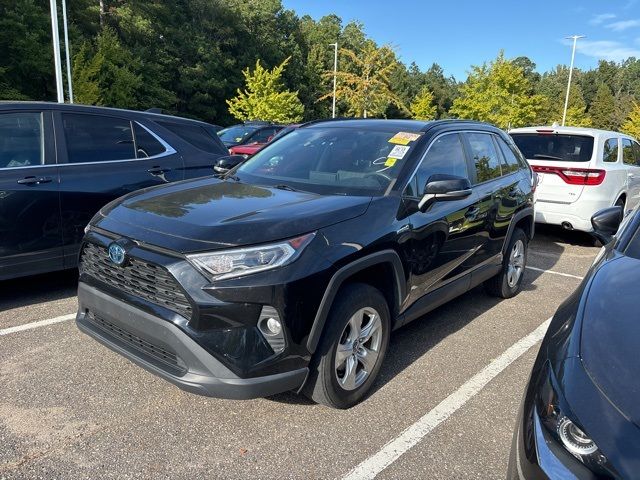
(117, 254)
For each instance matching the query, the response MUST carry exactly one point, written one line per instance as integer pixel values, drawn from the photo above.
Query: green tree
(422, 107)
(603, 109)
(265, 98)
(365, 86)
(632, 125)
(497, 93)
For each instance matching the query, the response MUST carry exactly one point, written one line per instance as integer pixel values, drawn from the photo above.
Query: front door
(30, 233)
(444, 240)
(102, 158)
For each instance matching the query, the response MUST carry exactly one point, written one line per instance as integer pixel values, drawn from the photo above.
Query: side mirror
(606, 222)
(226, 163)
(442, 187)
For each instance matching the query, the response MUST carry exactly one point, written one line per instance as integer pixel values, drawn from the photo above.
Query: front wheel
(352, 348)
(508, 282)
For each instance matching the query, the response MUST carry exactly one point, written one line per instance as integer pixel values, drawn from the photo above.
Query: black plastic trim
(384, 256)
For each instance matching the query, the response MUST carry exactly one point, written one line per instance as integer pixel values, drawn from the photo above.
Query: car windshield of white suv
(332, 160)
(554, 147)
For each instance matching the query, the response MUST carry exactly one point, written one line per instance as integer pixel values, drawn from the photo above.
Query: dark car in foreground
(580, 416)
(291, 272)
(60, 163)
(248, 133)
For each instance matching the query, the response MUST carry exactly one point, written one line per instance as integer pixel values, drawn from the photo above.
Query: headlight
(556, 417)
(244, 261)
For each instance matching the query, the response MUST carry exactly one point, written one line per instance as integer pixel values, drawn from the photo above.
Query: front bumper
(164, 349)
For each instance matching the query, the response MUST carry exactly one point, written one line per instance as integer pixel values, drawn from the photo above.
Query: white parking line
(554, 272)
(41, 323)
(393, 450)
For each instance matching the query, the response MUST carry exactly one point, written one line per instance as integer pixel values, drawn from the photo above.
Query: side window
(445, 155)
(97, 138)
(195, 135)
(512, 164)
(628, 157)
(610, 154)
(485, 157)
(261, 136)
(21, 139)
(636, 149)
(146, 144)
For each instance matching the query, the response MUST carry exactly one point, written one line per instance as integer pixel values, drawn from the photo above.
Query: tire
(329, 382)
(508, 282)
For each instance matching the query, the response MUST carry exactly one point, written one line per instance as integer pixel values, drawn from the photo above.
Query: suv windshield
(558, 147)
(332, 160)
(235, 134)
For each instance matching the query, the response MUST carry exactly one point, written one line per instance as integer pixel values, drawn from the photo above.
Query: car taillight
(574, 176)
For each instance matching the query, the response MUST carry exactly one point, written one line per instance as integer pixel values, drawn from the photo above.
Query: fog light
(274, 326)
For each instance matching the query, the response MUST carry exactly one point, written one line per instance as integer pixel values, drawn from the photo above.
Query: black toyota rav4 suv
(291, 271)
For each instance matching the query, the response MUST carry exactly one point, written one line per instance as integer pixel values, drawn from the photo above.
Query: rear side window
(636, 151)
(510, 163)
(97, 138)
(558, 147)
(193, 134)
(485, 157)
(610, 154)
(628, 155)
(146, 144)
(262, 136)
(21, 139)
(445, 155)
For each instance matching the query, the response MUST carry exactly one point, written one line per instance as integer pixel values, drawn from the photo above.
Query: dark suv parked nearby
(292, 271)
(59, 164)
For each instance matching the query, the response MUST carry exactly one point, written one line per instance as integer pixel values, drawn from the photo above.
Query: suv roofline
(427, 124)
(569, 129)
(7, 104)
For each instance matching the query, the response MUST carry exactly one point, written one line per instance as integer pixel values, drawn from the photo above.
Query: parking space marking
(40, 323)
(393, 450)
(554, 272)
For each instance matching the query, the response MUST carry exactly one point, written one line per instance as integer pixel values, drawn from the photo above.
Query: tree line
(213, 59)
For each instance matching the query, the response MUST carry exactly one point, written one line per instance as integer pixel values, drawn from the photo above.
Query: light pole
(56, 50)
(573, 56)
(67, 48)
(335, 74)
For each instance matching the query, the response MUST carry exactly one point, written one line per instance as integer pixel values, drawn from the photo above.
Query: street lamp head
(575, 37)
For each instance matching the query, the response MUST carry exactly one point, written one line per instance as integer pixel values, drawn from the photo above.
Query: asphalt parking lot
(444, 406)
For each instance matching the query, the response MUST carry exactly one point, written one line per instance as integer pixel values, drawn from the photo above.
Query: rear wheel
(508, 282)
(352, 347)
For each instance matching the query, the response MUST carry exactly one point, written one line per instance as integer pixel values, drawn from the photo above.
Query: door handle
(34, 180)
(158, 170)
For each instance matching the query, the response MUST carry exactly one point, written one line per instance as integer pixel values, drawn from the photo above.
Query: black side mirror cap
(226, 163)
(606, 223)
(441, 187)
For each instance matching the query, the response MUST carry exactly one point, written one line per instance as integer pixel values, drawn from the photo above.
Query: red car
(249, 149)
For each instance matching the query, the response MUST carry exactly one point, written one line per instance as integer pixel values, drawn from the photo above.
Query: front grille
(158, 353)
(137, 277)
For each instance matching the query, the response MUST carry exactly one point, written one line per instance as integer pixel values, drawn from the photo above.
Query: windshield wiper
(547, 157)
(285, 187)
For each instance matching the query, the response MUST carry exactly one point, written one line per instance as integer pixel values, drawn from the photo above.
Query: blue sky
(457, 34)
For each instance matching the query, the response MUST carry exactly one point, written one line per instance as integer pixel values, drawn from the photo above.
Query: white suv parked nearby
(580, 171)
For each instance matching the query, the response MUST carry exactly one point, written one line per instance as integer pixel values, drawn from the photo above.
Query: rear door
(560, 160)
(30, 231)
(103, 157)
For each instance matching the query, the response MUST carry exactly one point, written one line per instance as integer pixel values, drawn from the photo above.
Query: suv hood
(209, 214)
(610, 337)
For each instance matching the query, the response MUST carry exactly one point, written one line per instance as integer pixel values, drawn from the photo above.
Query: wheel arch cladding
(524, 220)
(382, 262)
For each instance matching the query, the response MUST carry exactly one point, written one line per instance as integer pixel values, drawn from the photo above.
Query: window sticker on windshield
(238, 139)
(390, 162)
(399, 151)
(404, 138)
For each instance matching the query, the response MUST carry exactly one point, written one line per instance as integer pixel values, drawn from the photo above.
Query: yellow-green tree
(632, 125)
(498, 93)
(422, 107)
(265, 98)
(364, 85)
